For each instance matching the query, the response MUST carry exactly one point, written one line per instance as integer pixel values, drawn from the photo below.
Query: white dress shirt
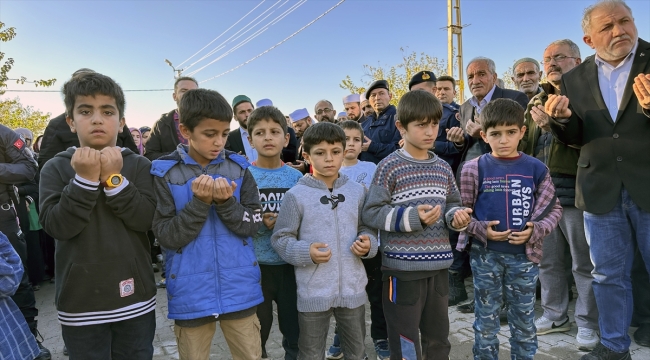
(612, 80)
(251, 153)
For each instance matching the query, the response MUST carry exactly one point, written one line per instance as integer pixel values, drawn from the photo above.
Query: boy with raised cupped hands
(208, 210)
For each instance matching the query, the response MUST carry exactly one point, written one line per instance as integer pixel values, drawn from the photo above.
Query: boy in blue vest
(515, 207)
(208, 210)
(267, 129)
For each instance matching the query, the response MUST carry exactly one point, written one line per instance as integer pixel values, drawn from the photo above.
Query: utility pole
(177, 71)
(454, 27)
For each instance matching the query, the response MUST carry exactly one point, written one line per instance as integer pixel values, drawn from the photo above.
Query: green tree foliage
(14, 115)
(7, 35)
(398, 76)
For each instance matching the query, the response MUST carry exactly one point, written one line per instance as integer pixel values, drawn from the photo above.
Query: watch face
(115, 180)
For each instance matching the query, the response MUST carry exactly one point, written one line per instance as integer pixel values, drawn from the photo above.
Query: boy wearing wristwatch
(97, 201)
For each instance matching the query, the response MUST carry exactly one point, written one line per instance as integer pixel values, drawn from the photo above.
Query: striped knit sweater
(400, 184)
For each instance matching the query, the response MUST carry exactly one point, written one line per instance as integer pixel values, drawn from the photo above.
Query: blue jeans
(499, 276)
(613, 238)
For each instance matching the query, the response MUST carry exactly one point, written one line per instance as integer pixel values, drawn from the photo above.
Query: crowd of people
(526, 191)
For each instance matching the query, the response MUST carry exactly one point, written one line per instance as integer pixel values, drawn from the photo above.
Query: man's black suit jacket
(467, 110)
(615, 154)
(58, 137)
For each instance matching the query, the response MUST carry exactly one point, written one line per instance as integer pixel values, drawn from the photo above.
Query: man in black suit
(605, 109)
(481, 80)
(242, 107)
(165, 135)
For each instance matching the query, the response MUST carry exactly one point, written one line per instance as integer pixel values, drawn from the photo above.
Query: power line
(276, 45)
(253, 36)
(215, 39)
(222, 45)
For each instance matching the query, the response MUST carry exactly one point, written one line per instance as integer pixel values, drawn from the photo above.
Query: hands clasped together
(94, 165)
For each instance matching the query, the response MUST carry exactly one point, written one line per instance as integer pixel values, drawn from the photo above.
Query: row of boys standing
(205, 206)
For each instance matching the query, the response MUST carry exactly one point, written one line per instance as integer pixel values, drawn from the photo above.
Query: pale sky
(129, 41)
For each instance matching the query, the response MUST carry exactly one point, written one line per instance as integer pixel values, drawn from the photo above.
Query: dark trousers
(461, 258)
(373, 289)
(24, 296)
(414, 308)
(279, 285)
(130, 339)
(48, 245)
(640, 291)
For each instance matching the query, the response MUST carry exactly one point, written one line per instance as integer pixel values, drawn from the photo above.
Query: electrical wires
(276, 45)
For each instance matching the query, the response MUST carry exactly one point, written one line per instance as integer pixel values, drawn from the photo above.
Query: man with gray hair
(481, 80)
(605, 109)
(559, 57)
(526, 76)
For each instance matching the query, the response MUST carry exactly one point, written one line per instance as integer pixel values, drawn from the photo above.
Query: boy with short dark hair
(268, 135)
(208, 209)
(515, 207)
(413, 199)
(319, 231)
(97, 201)
(357, 170)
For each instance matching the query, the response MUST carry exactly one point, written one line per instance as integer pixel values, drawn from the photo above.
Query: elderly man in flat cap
(527, 74)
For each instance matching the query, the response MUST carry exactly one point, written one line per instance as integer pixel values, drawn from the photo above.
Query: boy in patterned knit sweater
(515, 207)
(413, 198)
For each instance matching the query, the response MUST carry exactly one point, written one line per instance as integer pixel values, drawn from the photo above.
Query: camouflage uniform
(499, 276)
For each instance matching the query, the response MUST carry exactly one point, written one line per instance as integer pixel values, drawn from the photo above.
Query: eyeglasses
(557, 58)
(321, 111)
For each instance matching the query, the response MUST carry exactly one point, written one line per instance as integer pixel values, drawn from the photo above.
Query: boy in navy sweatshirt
(514, 209)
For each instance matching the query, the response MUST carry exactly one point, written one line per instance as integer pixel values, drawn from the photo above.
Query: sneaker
(161, 284)
(546, 326)
(334, 352)
(457, 292)
(587, 339)
(382, 349)
(155, 268)
(600, 352)
(44, 352)
(466, 308)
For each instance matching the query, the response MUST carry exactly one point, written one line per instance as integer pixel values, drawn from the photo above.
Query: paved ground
(553, 346)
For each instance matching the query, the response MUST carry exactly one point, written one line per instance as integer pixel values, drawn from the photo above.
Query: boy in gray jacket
(319, 231)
